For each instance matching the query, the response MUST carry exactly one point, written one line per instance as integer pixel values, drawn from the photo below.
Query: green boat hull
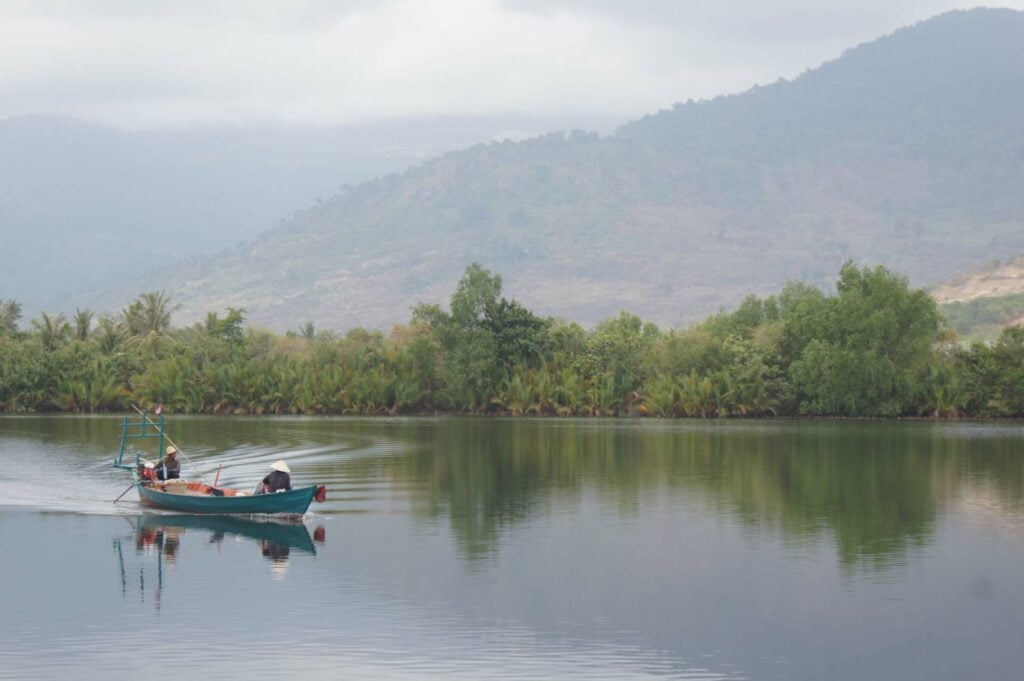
(293, 502)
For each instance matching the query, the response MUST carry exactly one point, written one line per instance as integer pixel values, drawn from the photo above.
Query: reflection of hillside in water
(984, 504)
(877, 488)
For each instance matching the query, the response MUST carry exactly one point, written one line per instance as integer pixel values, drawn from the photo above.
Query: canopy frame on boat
(143, 429)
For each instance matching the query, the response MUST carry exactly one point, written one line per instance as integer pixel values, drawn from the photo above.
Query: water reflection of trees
(875, 488)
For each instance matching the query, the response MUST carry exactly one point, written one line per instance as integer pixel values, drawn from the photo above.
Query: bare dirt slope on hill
(995, 281)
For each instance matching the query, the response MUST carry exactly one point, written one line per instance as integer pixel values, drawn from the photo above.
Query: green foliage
(518, 333)
(944, 392)
(863, 351)
(10, 313)
(52, 331)
(25, 375)
(620, 348)
(149, 313)
(229, 328)
(83, 323)
(476, 293)
(482, 338)
(983, 318)
(1009, 356)
(110, 335)
(872, 349)
(89, 382)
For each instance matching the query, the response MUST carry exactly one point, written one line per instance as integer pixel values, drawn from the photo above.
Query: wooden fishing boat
(192, 496)
(189, 496)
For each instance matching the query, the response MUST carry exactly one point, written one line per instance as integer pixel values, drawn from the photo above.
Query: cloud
(167, 64)
(764, 22)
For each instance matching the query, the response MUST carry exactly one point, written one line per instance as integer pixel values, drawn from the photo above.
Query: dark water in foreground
(522, 549)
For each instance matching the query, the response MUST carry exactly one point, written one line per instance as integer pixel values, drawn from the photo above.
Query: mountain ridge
(904, 152)
(85, 207)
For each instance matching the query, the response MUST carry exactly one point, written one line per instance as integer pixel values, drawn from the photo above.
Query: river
(523, 549)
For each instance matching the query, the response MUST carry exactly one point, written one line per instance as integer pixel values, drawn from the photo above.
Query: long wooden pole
(123, 493)
(172, 444)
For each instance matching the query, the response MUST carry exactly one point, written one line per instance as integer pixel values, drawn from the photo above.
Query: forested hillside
(84, 206)
(907, 151)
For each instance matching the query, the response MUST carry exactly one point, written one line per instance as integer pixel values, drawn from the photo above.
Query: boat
(191, 496)
(198, 496)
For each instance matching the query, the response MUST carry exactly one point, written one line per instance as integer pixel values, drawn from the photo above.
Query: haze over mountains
(83, 206)
(907, 151)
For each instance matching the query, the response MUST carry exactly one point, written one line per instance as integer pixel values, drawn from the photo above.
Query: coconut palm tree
(94, 386)
(10, 313)
(83, 323)
(725, 391)
(570, 391)
(517, 392)
(329, 389)
(945, 394)
(544, 392)
(167, 380)
(601, 396)
(109, 336)
(697, 395)
(408, 395)
(52, 330)
(661, 397)
(149, 313)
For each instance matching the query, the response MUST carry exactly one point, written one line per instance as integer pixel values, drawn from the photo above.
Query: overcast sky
(175, 63)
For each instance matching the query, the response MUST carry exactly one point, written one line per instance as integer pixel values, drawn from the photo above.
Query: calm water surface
(524, 549)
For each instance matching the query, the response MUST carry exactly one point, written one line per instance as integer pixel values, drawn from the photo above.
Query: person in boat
(169, 466)
(278, 479)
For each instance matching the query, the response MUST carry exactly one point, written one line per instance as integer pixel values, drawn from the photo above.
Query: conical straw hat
(281, 466)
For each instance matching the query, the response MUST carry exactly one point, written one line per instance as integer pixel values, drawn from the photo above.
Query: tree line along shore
(873, 348)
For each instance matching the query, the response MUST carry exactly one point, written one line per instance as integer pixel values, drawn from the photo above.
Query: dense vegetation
(984, 318)
(874, 348)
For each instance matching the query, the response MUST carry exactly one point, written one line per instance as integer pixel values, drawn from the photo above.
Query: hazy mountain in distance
(907, 151)
(82, 207)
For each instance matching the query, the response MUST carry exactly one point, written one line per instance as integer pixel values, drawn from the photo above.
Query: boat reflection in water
(160, 536)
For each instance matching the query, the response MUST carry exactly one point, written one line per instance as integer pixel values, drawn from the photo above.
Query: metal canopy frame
(143, 429)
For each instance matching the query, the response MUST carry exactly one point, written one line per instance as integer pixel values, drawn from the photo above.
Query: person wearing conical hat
(279, 479)
(169, 466)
